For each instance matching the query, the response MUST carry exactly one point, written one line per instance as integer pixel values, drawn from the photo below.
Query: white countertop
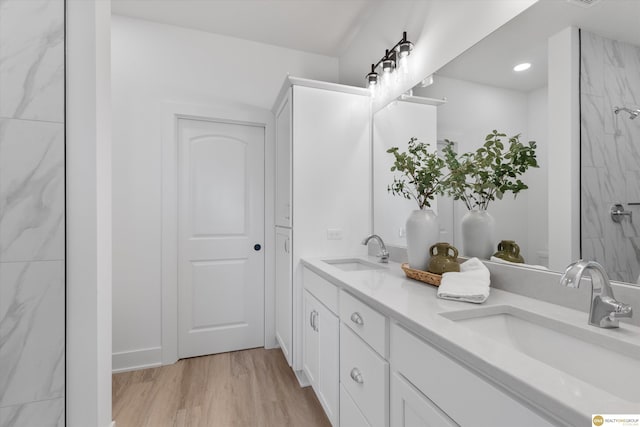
(562, 397)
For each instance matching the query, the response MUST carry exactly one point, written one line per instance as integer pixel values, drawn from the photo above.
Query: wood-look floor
(244, 388)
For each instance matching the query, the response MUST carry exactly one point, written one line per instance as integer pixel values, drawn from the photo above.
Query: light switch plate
(334, 234)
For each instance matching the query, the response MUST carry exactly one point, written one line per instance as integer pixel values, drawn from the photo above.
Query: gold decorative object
(444, 258)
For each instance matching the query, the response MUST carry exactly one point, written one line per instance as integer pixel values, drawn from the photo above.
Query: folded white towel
(504, 261)
(471, 284)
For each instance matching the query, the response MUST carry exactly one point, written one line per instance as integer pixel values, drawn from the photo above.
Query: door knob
(257, 247)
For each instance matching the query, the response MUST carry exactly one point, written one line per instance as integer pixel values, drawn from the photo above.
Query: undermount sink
(353, 264)
(603, 361)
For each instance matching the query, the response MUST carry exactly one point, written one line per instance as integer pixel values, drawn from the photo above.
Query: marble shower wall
(610, 150)
(32, 251)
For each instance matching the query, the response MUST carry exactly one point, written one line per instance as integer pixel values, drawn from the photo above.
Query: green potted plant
(477, 178)
(420, 178)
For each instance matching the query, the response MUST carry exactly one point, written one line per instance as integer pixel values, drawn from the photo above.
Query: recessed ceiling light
(522, 67)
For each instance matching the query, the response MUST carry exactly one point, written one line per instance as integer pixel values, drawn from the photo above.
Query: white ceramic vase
(478, 228)
(423, 231)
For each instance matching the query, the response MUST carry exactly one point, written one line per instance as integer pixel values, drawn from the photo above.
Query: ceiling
(324, 27)
(327, 27)
(524, 39)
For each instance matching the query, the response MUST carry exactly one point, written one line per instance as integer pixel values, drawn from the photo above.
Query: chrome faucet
(383, 254)
(605, 310)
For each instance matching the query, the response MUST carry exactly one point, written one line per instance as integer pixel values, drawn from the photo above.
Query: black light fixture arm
(390, 59)
(391, 53)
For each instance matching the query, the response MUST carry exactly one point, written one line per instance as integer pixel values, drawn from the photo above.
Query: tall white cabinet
(323, 190)
(282, 214)
(283, 290)
(283, 161)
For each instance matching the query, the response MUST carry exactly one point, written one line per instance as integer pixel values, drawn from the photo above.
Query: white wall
(472, 111)
(441, 30)
(88, 195)
(153, 63)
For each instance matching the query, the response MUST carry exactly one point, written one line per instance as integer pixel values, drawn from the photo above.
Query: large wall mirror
(479, 91)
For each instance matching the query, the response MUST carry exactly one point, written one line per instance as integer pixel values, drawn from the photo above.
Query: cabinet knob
(356, 375)
(357, 319)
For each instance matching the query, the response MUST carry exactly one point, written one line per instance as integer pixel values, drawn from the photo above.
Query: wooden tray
(423, 276)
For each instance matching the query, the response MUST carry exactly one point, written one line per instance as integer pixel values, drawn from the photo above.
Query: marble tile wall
(32, 251)
(610, 150)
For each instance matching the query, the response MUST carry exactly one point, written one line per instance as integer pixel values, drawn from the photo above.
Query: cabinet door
(311, 341)
(410, 408)
(328, 329)
(284, 289)
(283, 163)
(350, 415)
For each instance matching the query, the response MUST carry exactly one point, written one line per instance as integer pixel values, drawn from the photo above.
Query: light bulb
(403, 64)
(373, 89)
(386, 77)
(403, 50)
(522, 67)
(388, 65)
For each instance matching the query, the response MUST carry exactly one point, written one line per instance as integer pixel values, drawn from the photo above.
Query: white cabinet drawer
(350, 415)
(364, 321)
(325, 291)
(365, 375)
(465, 397)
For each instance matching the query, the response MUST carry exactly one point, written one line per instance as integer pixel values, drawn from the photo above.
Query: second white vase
(423, 230)
(478, 228)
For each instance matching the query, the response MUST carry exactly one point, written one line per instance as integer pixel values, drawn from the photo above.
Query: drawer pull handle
(315, 321)
(356, 375)
(312, 319)
(357, 319)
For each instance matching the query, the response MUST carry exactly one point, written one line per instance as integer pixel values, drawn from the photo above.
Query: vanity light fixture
(372, 79)
(388, 63)
(394, 59)
(522, 67)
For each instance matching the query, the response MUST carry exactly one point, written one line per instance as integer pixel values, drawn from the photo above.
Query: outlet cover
(334, 234)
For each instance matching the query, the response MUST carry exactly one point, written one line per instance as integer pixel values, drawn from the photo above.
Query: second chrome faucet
(383, 254)
(605, 309)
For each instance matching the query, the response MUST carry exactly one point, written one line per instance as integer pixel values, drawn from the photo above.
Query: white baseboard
(137, 359)
(271, 343)
(302, 379)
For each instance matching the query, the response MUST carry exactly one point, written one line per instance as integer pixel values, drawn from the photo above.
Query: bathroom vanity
(407, 358)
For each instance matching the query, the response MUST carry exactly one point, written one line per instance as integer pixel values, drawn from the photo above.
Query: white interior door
(220, 234)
